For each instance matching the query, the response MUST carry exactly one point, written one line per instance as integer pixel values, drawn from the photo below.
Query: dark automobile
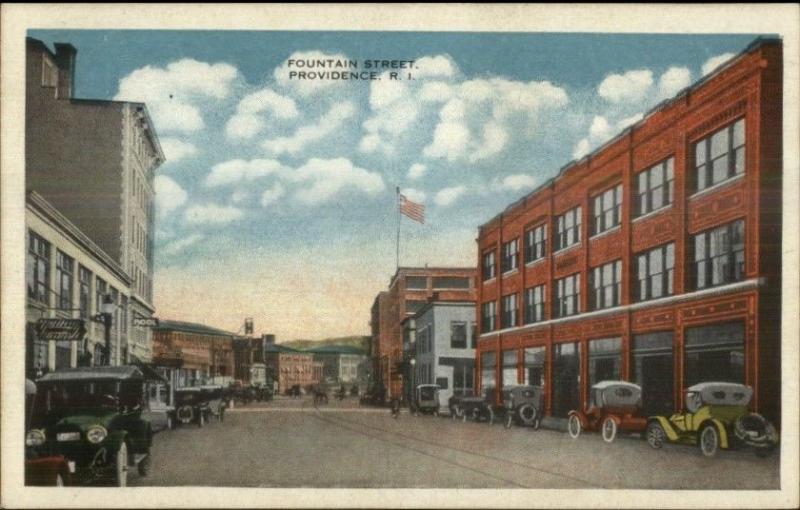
(426, 399)
(523, 405)
(46, 470)
(192, 406)
(474, 408)
(92, 417)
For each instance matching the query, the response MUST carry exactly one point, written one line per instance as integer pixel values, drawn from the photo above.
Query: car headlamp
(96, 434)
(34, 437)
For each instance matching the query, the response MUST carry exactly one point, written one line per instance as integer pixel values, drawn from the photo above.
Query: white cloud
(238, 170)
(272, 195)
(240, 196)
(176, 150)
(416, 171)
(628, 121)
(435, 92)
(599, 130)
(715, 62)
(450, 141)
(631, 86)
(385, 91)
(323, 179)
(448, 196)
(212, 214)
(174, 93)
(414, 195)
(307, 87)
(249, 121)
(169, 195)
(517, 182)
(436, 66)
(673, 81)
(494, 140)
(179, 245)
(581, 149)
(326, 125)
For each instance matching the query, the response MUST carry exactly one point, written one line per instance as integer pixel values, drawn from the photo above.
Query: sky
(277, 200)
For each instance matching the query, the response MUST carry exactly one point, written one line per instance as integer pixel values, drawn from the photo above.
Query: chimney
(65, 60)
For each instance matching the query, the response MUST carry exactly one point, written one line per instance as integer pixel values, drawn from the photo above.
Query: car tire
(709, 440)
(509, 420)
(574, 426)
(144, 466)
(526, 414)
(609, 430)
(201, 419)
(59, 480)
(656, 436)
(121, 466)
(490, 416)
(464, 417)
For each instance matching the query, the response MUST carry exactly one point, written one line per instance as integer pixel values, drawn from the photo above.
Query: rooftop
(335, 349)
(191, 327)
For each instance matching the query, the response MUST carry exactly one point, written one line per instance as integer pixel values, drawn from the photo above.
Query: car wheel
(537, 422)
(526, 414)
(121, 465)
(490, 416)
(655, 435)
(59, 480)
(609, 430)
(201, 419)
(464, 417)
(144, 466)
(709, 440)
(574, 426)
(509, 419)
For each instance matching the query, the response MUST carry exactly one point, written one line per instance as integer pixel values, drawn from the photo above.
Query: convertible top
(113, 373)
(717, 393)
(619, 393)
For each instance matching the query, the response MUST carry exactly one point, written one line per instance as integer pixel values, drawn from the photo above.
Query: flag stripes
(412, 209)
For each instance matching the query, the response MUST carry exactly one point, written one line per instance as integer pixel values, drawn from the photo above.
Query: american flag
(412, 209)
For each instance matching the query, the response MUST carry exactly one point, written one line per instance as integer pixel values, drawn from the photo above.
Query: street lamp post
(105, 317)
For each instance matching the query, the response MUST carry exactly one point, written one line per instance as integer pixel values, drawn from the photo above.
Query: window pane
(738, 133)
(700, 153)
(720, 169)
(719, 143)
(739, 161)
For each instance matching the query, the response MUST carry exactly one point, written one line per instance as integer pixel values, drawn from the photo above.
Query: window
(463, 372)
(38, 276)
(568, 228)
(654, 272)
(652, 368)
(567, 296)
(489, 266)
(607, 208)
(450, 282)
(458, 335)
(606, 284)
(534, 304)
(715, 353)
(65, 269)
(123, 308)
(566, 370)
(719, 255)
(100, 288)
(510, 255)
(414, 305)
(442, 382)
(488, 380)
(49, 74)
(535, 243)
(488, 316)
(655, 187)
(605, 360)
(534, 366)
(509, 319)
(417, 282)
(474, 339)
(720, 156)
(85, 281)
(509, 368)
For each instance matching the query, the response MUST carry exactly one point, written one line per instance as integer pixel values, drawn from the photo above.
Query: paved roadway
(289, 443)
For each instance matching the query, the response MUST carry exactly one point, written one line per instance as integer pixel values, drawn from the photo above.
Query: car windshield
(426, 393)
(86, 394)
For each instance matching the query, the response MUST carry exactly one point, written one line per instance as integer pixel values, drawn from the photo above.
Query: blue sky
(277, 200)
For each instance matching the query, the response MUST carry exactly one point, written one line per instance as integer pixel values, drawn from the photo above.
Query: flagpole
(397, 201)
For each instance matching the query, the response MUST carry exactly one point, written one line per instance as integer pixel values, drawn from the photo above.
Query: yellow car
(716, 416)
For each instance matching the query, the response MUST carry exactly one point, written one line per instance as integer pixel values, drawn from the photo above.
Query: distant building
(293, 367)
(440, 341)
(67, 276)
(199, 354)
(94, 161)
(340, 363)
(409, 289)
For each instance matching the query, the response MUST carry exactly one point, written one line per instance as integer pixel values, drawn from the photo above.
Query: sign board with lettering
(71, 330)
(145, 322)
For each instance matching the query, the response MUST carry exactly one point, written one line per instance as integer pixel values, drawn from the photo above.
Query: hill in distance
(362, 342)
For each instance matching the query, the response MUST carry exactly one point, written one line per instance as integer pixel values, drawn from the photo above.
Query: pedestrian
(395, 407)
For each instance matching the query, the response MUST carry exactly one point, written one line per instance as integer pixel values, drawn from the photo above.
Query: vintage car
(92, 416)
(214, 396)
(160, 413)
(523, 405)
(613, 406)
(193, 405)
(716, 416)
(42, 470)
(474, 408)
(426, 399)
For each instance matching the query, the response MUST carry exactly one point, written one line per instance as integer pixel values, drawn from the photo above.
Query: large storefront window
(652, 369)
(488, 379)
(566, 378)
(463, 370)
(534, 366)
(715, 353)
(605, 360)
(509, 368)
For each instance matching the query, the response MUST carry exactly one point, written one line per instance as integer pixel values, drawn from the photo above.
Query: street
(290, 443)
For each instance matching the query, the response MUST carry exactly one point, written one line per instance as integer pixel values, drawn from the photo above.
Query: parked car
(524, 405)
(426, 399)
(192, 406)
(716, 416)
(42, 470)
(474, 408)
(92, 417)
(214, 398)
(160, 413)
(613, 406)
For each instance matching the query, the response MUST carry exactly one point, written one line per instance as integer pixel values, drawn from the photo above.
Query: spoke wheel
(574, 426)
(609, 430)
(121, 465)
(655, 435)
(709, 440)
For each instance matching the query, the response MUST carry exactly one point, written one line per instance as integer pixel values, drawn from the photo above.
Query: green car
(92, 416)
(716, 416)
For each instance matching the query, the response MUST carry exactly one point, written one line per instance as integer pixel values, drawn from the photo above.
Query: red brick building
(199, 352)
(409, 289)
(292, 367)
(655, 259)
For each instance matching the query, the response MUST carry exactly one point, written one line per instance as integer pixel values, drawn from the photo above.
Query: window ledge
(535, 262)
(717, 186)
(490, 280)
(609, 231)
(651, 213)
(510, 272)
(568, 248)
